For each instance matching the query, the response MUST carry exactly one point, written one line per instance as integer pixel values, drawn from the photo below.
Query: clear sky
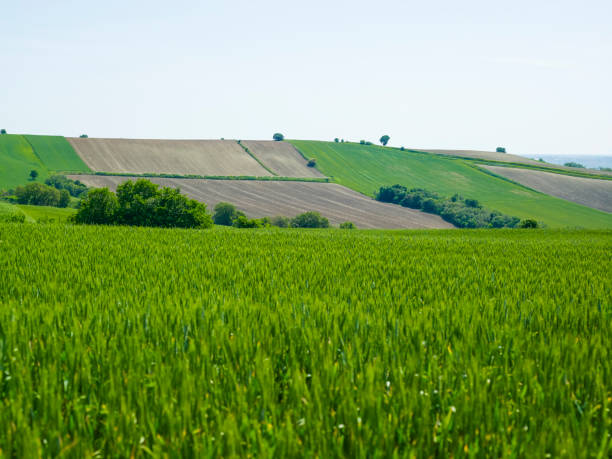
(533, 76)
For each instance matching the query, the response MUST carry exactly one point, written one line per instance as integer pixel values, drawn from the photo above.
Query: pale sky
(533, 76)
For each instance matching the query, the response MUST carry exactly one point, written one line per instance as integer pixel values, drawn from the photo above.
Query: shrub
(309, 220)
(99, 207)
(574, 164)
(402, 148)
(500, 150)
(384, 140)
(528, 223)
(243, 222)
(280, 221)
(33, 174)
(430, 206)
(362, 142)
(61, 182)
(64, 198)
(143, 203)
(368, 143)
(83, 136)
(348, 225)
(336, 140)
(464, 213)
(312, 162)
(225, 214)
(2, 131)
(393, 194)
(37, 194)
(278, 137)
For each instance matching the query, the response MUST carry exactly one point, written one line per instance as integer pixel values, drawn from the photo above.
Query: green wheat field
(121, 342)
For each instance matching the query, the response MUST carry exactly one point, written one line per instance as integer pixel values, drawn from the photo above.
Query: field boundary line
(252, 155)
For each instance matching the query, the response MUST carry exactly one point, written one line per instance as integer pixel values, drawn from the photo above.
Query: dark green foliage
(348, 225)
(64, 198)
(225, 214)
(2, 131)
(84, 136)
(385, 140)
(463, 213)
(143, 203)
(61, 182)
(99, 207)
(278, 137)
(243, 222)
(309, 220)
(280, 221)
(402, 148)
(500, 150)
(33, 174)
(312, 162)
(362, 142)
(336, 140)
(37, 194)
(528, 223)
(574, 164)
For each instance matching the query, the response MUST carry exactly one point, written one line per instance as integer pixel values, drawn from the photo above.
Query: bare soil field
(138, 156)
(281, 157)
(509, 158)
(264, 198)
(589, 192)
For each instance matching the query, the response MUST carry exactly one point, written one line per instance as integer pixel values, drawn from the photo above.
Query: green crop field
(56, 153)
(131, 342)
(17, 159)
(365, 168)
(19, 154)
(46, 213)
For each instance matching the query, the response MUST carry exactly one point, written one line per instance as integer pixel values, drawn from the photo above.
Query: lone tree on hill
(33, 174)
(384, 140)
(2, 131)
(278, 137)
(83, 136)
(500, 150)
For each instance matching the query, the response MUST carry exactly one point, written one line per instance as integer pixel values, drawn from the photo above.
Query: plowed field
(196, 157)
(589, 192)
(263, 198)
(282, 158)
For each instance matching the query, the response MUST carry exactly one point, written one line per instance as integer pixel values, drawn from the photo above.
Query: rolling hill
(519, 190)
(365, 168)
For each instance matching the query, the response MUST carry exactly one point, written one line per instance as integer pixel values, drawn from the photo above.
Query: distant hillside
(367, 167)
(19, 154)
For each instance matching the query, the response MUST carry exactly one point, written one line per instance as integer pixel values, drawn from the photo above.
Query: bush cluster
(227, 214)
(574, 164)
(142, 203)
(38, 194)
(461, 212)
(60, 182)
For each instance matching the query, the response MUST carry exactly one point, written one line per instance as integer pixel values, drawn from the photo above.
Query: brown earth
(270, 198)
(138, 156)
(282, 158)
(509, 158)
(595, 193)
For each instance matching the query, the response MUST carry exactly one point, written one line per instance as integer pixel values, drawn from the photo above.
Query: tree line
(461, 212)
